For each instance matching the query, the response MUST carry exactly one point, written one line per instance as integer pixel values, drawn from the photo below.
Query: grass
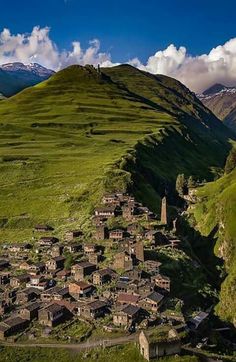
(215, 213)
(127, 353)
(67, 139)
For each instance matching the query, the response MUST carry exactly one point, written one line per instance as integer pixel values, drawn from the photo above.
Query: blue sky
(128, 28)
(191, 40)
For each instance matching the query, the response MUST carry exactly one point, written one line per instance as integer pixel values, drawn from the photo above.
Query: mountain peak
(214, 89)
(34, 68)
(17, 76)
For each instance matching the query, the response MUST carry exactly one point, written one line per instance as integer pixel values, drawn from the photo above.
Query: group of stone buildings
(37, 284)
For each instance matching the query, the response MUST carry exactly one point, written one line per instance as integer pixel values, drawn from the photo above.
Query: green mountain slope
(215, 212)
(66, 140)
(230, 119)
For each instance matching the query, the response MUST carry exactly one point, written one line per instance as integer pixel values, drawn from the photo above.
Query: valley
(88, 158)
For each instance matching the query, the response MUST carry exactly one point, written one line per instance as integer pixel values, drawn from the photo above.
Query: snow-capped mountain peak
(35, 68)
(216, 90)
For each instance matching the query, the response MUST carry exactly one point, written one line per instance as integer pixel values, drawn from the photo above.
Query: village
(112, 278)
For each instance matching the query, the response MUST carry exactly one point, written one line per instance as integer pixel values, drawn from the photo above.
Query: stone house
(63, 274)
(54, 294)
(55, 263)
(95, 258)
(159, 343)
(9, 295)
(52, 315)
(152, 302)
(56, 250)
(27, 295)
(90, 248)
(30, 311)
(73, 248)
(110, 199)
(37, 268)
(117, 234)
(133, 229)
(108, 211)
(123, 261)
(70, 235)
(39, 282)
(141, 287)
(152, 267)
(101, 232)
(162, 281)
(126, 298)
(19, 280)
(128, 211)
(150, 235)
(82, 269)
(121, 286)
(25, 265)
(93, 310)
(43, 228)
(47, 241)
(127, 316)
(12, 326)
(80, 289)
(103, 276)
(139, 251)
(19, 247)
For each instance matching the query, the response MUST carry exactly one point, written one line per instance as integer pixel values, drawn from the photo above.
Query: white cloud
(39, 48)
(198, 72)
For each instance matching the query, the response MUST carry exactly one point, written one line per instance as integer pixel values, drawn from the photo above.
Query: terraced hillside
(66, 140)
(215, 213)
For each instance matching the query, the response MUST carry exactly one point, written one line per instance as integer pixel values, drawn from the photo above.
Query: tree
(68, 261)
(231, 161)
(180, 184)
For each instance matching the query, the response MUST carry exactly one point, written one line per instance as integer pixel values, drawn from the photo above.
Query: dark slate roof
(32, 306)
(97, 304)
(53, 308)
(57, 290)
(13, 321)
(156, 297)
(131, 310)
(83, 264)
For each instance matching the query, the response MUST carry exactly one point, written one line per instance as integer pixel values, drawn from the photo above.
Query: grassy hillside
(66, 140)
(230, 119)
(128, 353)
(216, 211)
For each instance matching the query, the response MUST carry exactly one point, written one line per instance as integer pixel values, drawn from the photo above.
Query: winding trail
(79, 346)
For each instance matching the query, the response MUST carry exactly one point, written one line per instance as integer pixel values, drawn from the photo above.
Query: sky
(191, 40)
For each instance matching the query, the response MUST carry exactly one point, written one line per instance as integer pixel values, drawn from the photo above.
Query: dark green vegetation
(214, 214)
(128, 353)
(66, 140)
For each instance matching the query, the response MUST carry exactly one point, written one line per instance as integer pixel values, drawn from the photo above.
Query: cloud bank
(197, 73)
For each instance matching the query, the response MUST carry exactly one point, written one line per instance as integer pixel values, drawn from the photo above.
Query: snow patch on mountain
(34, 68)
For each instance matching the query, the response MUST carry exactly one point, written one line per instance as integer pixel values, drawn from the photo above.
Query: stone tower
(164, 211)
(139, 252)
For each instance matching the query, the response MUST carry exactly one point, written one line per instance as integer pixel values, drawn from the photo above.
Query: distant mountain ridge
(221, 100)
(17, 76)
